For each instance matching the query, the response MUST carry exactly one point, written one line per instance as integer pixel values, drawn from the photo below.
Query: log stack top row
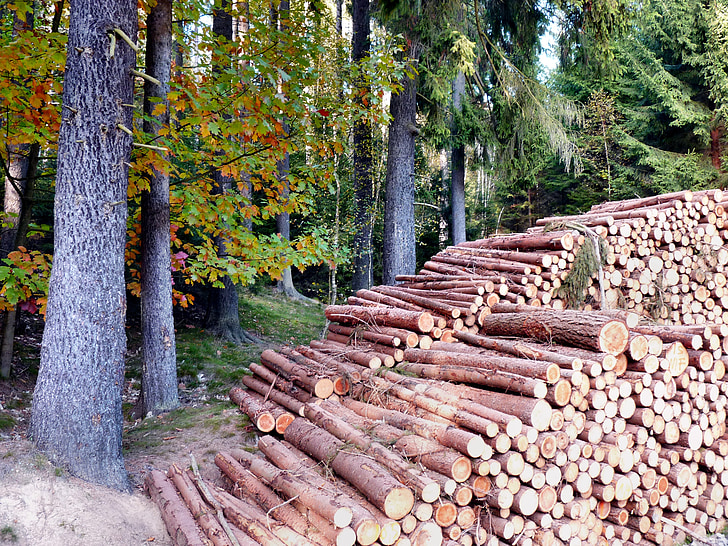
(455, 409)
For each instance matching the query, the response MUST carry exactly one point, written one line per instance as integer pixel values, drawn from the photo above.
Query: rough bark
(77, 419)
(177, 518)
(17, 207)
(457, 190)
(223, 318)
(159, 368)
(399, 207)
(362, 156)
(368, 476)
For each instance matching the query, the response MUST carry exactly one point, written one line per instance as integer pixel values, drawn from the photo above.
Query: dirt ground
(42, 505)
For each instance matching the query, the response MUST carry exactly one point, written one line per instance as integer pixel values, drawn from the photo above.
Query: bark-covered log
(368, 476)
(175, 513)
(588, 330)
(380, 316)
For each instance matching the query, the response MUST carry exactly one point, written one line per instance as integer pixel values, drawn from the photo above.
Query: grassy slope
(208, 367)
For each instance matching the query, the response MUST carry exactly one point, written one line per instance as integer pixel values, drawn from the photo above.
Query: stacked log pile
(665, 257)
(467, 406)
(598, 435)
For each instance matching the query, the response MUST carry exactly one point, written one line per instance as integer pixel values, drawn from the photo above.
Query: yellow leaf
(159, 109)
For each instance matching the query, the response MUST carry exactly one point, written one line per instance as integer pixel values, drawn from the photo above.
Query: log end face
(399, 502)
(461, 469)
(613, 337)
(541, 415)
(426, 323)
(343, 517)
(324, 388)
(367, 532)
(430, 493)
(475, 447)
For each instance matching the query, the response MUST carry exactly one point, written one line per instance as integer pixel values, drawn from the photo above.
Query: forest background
(334, 146)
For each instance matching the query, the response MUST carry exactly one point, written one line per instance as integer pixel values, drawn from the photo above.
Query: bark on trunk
(458, 167)
(363, 186)
(399, 207)
(17, 206)
(159, 370)
(77, 419)
(223, 317)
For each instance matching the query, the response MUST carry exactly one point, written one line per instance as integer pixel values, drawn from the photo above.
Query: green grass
(7, 422)
(271, 317)
(7, 534)
(151, 432)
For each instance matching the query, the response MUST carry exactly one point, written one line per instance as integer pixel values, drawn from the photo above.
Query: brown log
(588, 330)
(202, 513)
(481, 265)
(338, 427)
(317, 376)
(265, 530)
(463, 374)
(317, 385)
(546, 371)
(533, 258)
(422, 301)
(328, 352)
(333, 509)
(452, 414)
(365, 521)
(520, 349)
(374, 482)
(557, 240)
(388, 300)
(355, 334)
(247, 485)
(176, 515)
(464, 441)
(253, 407)
(441, 460)
(270, 391)
(384, 316)
(531, 411)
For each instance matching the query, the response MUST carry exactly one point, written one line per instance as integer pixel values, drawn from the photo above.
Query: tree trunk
(77, 419)
(17, 205)
(458, 166)
(159, 370)
(279, 19)
(362, 158)
(223, 314)
(399, 207)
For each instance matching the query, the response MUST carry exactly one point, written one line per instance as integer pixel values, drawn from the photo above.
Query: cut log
(380, 316)
(290, 486)
(587, 330)
(202, 513)
(175, 513)
(374, 482)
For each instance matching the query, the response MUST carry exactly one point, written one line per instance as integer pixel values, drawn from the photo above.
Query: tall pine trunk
(279, 21)
(458, 166)
(19, 185)
(77, 419)
(159, 370)
(399, 205)
(363, 184)
(223, 311)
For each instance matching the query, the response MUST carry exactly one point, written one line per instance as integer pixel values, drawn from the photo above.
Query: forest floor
(42, 505)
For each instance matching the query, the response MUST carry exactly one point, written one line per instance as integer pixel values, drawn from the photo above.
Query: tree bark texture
(77, 419)
(159, 371)
(457, 190)
(17, 207)
(363, 184)
(223, 317)
(399, 206)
